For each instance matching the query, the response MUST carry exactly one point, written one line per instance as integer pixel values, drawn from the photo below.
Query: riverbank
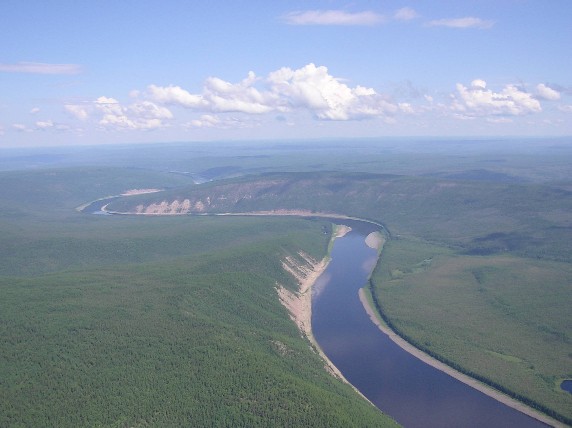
(299, 304)
(406, 346)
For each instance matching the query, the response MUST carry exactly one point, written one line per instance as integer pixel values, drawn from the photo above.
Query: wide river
(402, 386)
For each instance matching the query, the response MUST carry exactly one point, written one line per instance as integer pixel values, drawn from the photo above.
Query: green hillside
(120, 321)
(475, 273)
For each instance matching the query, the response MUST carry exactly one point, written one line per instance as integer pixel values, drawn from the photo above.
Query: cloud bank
(293, 96)
(310, 88)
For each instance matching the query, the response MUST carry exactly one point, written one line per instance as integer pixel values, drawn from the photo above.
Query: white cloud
(241, 97)
(143, 115)
(405, 14)
(314, 88)
(175, 95)
(205, 121)
(40, 68)
(44, 124)
(149, 110)
(406, 108)
(546, 93)
(468, 22)
(20, 127)
(333, 17)
(310, 87)
(566, 108)
(35, 110)
(77, 111)
(218, 96)
(480, 101)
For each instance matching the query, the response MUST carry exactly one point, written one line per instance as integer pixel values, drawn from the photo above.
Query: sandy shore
(499, 396)
(299, 304)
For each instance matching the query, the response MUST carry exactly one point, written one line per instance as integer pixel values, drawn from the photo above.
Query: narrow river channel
(411, 391)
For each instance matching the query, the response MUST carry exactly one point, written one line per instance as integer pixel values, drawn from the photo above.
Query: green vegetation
(151, 321)
(502, 319)
(115, 321)
(477, 269)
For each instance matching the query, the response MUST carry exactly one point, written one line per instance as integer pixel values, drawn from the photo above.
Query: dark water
(412, 392)
(566, 385)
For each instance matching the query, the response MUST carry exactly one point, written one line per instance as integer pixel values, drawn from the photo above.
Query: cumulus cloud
(217, 96)
(310, 87)
(35, 110)
(477, 100)
(175, 95)
(143, 115)
(78, 111)
(242, 97)
(327, 97)
(467, 22)
(333, 17)
(546, 93)
(40, 68)
(405, 14)
(566, 108)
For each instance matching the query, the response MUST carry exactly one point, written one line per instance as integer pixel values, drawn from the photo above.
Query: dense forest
(154, 320)
(114, 321)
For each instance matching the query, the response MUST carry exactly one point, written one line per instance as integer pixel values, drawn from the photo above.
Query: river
(411, 391)
(402, 386)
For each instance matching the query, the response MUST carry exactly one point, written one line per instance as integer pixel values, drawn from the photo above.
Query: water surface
(411, 391)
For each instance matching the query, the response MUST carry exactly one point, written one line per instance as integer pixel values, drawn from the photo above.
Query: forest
(134, 320)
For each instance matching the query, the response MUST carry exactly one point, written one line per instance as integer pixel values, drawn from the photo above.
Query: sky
(111, 72)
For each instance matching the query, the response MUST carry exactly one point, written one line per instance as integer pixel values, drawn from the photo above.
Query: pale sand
(140, 191)
(299, 304)
(406, 346)
(375, 240)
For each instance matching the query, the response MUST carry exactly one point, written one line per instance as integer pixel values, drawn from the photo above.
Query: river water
(412, 392)
(409, 390)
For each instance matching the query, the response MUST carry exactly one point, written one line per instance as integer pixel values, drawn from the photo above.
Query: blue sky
(99, 72)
